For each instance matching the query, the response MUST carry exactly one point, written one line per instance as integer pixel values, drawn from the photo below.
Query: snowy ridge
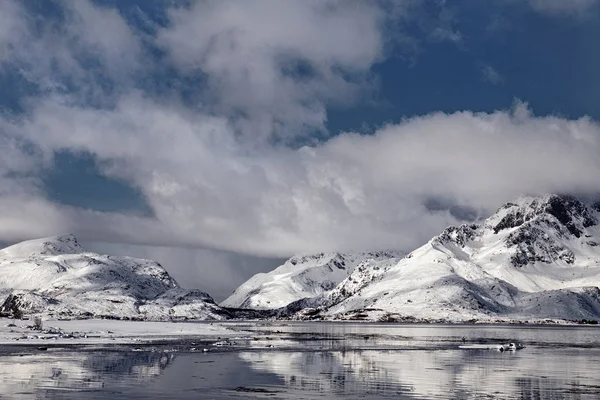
(50, 246)
(536, 258)
(300, 277)
(55, 276)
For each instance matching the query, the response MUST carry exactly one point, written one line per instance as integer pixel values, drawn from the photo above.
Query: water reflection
(438, 373)
(424, 364)
(429, 335)
(47, 373)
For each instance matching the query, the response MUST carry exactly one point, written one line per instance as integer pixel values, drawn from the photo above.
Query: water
(315, 361)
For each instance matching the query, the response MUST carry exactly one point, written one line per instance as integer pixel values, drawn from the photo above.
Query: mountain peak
(56, 277)
(301, 277)
(569, 211)
(316, 257)
(48, 246)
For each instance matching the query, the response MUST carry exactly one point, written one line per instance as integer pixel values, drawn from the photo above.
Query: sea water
(323, 361)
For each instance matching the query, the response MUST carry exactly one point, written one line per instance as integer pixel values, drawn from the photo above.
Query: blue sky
(505, 52)
(247, 131)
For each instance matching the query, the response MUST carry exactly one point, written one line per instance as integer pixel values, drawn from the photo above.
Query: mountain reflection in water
(438, 371)
(42, 374)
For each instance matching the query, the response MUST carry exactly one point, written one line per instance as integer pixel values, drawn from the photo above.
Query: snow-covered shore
(98, 332)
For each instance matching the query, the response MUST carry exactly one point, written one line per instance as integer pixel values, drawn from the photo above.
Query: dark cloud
(460, 212)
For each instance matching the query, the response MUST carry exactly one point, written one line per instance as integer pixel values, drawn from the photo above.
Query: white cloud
(491, 74)
(90, 48)
(103, 33)
(352, 192)
(274, 64)
(442, 34)
(12, 27)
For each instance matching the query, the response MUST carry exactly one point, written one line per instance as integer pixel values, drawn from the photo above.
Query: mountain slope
(535, 258)
(298, 278)
(57, 277)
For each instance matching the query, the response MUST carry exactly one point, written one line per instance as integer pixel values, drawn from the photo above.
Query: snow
(54, 245)
(97, 332)
(536, 258)
(57, 277)
(470, 272)
(298, 278)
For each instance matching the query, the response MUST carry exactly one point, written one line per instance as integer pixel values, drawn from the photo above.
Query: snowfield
(103, 332)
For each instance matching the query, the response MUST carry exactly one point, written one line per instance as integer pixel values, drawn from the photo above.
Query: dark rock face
(568, 211)
(19, 303)
(304, 259)
(459, 234)
(364, 274)
(571, 213)
(533, 244)
(540, 222)
(561, 215)
(338, 261)
(11, 306)
(511, 220)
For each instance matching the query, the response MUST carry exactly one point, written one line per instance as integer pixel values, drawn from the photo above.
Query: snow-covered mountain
(301, 277)
(535, 258)
(57, 277)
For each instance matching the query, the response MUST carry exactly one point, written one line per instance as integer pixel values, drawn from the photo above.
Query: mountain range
(535, 259)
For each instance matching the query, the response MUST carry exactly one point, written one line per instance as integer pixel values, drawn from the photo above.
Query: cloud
(442, 34)
(225, 169)
(12, 27)
(82, 51)
(491, 74)
(352, 192)
(443, 26)
(217, 272)
(272, 66)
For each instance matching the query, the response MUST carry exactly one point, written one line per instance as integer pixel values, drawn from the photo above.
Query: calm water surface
(315, 361)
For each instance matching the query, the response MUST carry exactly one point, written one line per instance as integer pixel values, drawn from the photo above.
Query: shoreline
(197, 335)
(109, 332)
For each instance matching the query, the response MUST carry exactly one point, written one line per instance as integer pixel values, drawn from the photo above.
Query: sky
(221, 137)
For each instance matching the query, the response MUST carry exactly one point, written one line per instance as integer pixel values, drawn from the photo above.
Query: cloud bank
(236, 163)
(207, 188)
